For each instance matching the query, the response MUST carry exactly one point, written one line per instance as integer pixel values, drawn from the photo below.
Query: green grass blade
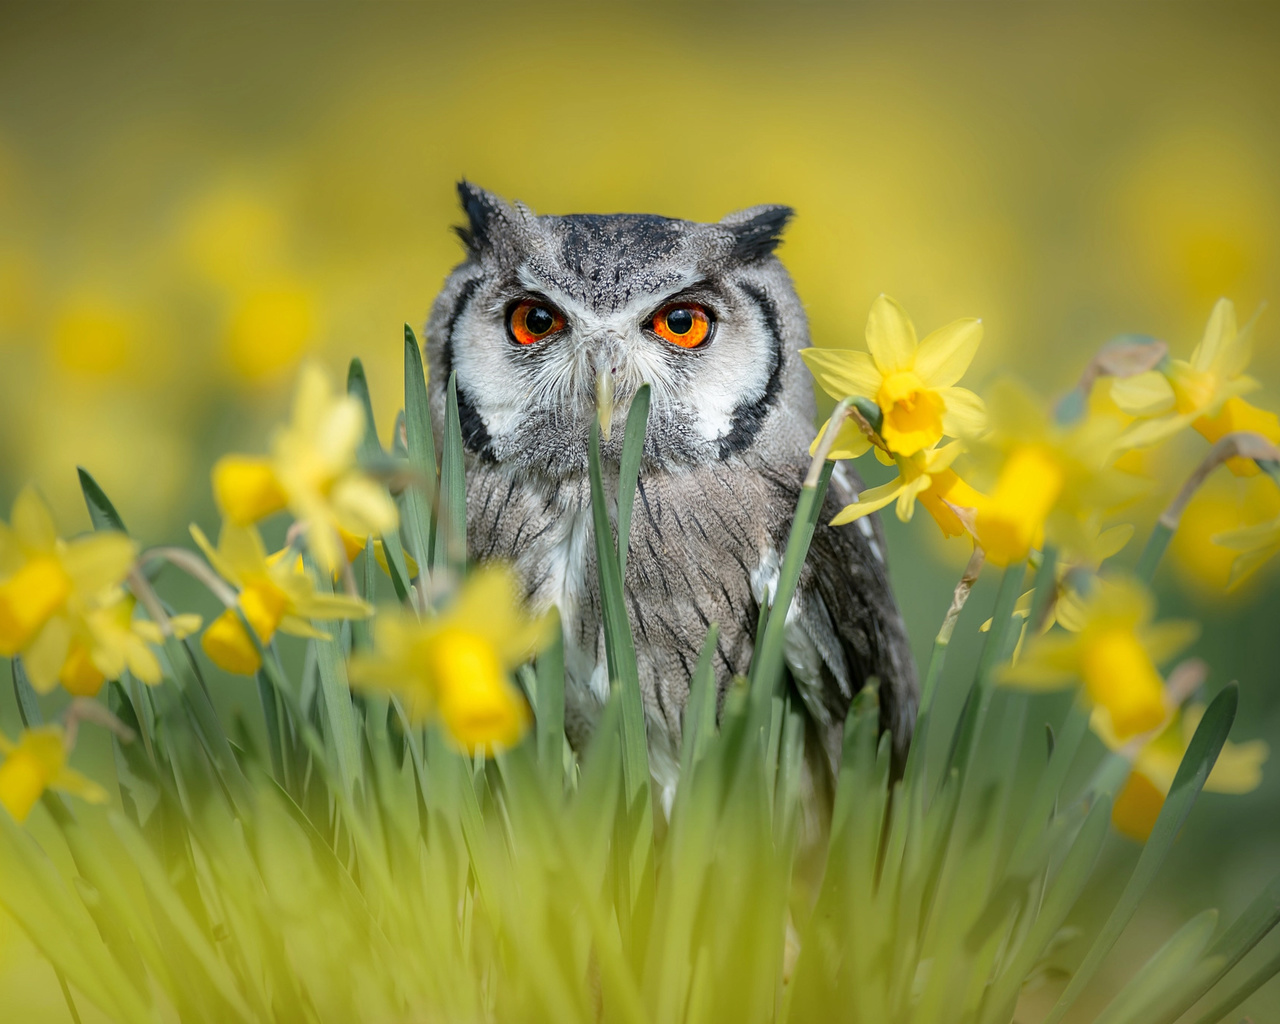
(358, 387)
(1061, 896)
(340, 715)
(549, 710)
(24, 693)
(34, 894)
(450, 549)
(102, 513)
(1169, 965)
(636, 838)
(420, 496)
(1187, 783)
(1250, 928)
(399, 569)
(628, 477)
(767, 670)
(1236, 995)
(700, 712)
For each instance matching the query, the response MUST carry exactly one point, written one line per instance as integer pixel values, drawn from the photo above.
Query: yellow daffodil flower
(48, 584)
(912, 383)
(1257, 546)
(312, 472)
(927, 477)
(110, 639)
(1203, 392)
(1237, 770)
(1050, 479)
(275, 593)
(457, 666)
(37, 762)
(1114, 653)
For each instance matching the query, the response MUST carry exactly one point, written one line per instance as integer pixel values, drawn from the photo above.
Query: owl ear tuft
(757, 231)
(482, 209)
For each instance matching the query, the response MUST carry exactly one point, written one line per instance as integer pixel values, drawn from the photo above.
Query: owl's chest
(697, 540)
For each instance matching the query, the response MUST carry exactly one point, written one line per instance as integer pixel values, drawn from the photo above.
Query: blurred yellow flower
(457, 665)
(270, 330)
(1114, 653)
(48, 585)
(109, 640)
(275, 593)
(928, 477)
(912, 383)
(93, 336)
(1238, 769)
(1256, 545)
(1203, 392)
(1051, 479)
(312, 471)
(38, 761)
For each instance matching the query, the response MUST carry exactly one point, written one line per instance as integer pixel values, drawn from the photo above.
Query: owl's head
(552, 322)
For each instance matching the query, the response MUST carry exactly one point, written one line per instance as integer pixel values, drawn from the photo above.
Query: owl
(553, 322)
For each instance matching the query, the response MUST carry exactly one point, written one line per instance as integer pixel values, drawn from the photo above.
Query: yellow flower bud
(28, 599)
(246, 489)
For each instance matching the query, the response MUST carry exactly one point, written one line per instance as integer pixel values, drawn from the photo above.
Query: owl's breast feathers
(704, 542)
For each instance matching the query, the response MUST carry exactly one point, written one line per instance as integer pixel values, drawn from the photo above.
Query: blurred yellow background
(194, 198)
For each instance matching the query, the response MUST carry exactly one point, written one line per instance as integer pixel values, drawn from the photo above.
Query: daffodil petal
(68, 780)
(891, 337)
(945, 354)
(965, 415)
(32, 521)
(1238, 768)
(1143, 394)
(362, 506)
(850, 442)
(1164, 640)
(220, 565)
(842, 372)
(1219, 332)
(98, 561)
(871, 500)
(44, 656)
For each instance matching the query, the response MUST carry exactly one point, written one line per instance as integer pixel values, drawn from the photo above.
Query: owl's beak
(604, 402)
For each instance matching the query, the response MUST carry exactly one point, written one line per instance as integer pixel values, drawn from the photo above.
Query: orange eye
(532, 321)
(685, 325)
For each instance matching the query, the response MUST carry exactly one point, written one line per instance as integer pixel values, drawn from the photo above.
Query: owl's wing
(845, 626)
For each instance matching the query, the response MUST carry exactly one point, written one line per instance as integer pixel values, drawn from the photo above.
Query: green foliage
(362, 869)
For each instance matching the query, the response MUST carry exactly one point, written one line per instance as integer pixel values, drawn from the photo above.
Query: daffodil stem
(959, 599)
(1046, 589)
(1049, 785)
(979, 699)
(1241, 444)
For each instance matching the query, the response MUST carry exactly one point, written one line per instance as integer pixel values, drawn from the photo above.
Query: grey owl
(547, 315)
